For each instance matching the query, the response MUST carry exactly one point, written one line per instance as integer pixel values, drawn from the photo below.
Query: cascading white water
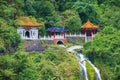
(82, 61)
(96, 71)
(83, 70)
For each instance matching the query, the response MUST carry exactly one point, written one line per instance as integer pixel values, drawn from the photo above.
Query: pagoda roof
(57, 29)
(28, 22)
(89, 25)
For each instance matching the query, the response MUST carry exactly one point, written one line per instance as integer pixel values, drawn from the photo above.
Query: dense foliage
(104, 51)
(9, 39)
(49, 65)
(67, 13)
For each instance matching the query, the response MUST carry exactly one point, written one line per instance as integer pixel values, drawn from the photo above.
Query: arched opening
(27, 34)
(59, 42)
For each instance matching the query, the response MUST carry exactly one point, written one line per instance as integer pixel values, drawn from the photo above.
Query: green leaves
(24, 66)
(104, 51)
(11, 38)
(71, 20)
(56, 64)
(6, 71)
(86, 10)
(90, 71)
(1, 45)
(52, 64)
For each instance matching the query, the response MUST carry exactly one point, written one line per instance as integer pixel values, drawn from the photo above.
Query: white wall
(33, 32)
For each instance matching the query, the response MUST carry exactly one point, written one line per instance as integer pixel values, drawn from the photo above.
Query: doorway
(27, 34)
(59, 42)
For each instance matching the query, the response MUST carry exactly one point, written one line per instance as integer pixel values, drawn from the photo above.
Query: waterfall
(82, 61)
(96, 71)
(83, 70)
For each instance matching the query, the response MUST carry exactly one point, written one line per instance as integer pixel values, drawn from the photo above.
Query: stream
(82, 62)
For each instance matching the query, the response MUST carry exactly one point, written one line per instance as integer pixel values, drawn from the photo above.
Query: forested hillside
(103, 51)
(68, 13)
(62, 12)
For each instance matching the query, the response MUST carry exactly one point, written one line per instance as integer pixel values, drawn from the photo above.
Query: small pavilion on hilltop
(28, 28)
(89, 29)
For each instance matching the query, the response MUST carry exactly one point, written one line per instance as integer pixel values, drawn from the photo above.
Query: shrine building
(58, 34)
(89, 29)
(28, 28)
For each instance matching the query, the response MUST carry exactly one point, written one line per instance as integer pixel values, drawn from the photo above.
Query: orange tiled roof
(31, 24)
(27, 21)
(89, 25)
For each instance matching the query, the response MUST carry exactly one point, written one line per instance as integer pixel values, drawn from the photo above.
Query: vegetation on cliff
(52, 64)
(104, 52)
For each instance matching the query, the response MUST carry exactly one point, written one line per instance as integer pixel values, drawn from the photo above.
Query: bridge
(61, 39)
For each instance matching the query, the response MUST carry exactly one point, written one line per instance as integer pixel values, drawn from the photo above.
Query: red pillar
(90, 32)
(84, 31)
(54, 34)
(94, 31)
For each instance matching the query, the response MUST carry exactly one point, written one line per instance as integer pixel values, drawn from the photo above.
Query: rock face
(74, 40)
(36, 45)
(47, 41)
(33, 45)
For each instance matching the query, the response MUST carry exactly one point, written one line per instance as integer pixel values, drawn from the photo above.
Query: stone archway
(59, 42)
(27, 34)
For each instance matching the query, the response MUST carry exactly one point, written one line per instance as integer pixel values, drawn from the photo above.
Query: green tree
(105, 14)
(28, 7)
(71, 20)
(11, 38)
(1, 45)
(10, 9)
(24, 66)
(104, 52)
(19, 66)
(43, 10)
(86, 10)
(6, 70)
(56, 64)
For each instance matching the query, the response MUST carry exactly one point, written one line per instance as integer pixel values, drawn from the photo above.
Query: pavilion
(58, 34)
(28, 28)
(89, 29)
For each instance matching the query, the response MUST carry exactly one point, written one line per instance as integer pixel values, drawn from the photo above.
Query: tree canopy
(50, 64)
(104, 52)
(103, 13)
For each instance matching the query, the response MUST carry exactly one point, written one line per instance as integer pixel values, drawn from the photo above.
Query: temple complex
(28, 29)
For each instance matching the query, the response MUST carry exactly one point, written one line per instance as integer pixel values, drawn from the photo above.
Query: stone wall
(33, 45)
(36, 45)
(76, 40)
(47, 41)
